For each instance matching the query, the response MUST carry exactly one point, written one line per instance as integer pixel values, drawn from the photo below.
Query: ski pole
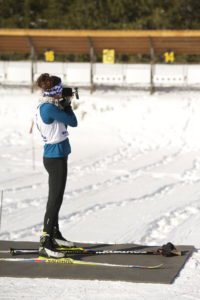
(161, 251)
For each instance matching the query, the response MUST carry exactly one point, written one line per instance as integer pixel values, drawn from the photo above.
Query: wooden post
(152, 65)
(92, 60)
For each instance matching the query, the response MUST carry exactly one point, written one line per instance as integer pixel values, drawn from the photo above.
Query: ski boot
(47, 248)
(59, 240)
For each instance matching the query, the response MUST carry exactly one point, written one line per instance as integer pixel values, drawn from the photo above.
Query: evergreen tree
(184, 14)
(10, 11)
(101, 14)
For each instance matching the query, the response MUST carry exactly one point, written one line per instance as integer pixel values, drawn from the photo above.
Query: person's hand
(68, 108)
(66, 104)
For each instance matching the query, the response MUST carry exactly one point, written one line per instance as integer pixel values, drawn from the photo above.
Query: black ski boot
(59, 240)
(47, 247)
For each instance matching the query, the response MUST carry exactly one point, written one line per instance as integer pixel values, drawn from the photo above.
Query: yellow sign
(108, 56)
(49, 55)
(169, 57)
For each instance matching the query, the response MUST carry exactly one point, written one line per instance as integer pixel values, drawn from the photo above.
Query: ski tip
(157, 266)
(149, 267)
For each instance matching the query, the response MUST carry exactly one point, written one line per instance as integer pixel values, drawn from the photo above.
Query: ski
(166, 250)
(67, 260)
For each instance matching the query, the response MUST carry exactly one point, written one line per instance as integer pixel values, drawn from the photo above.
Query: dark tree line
(100, 14)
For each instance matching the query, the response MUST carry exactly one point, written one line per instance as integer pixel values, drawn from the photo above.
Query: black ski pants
(57, 170)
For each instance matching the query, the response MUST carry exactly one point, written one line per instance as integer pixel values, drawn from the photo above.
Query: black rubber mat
(165, 274)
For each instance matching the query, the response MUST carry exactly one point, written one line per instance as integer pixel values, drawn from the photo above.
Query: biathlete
(52, 119)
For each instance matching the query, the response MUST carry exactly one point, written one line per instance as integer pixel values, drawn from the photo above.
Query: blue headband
(54, 91)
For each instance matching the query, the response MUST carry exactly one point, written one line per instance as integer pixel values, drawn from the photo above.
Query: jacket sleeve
(50, 112)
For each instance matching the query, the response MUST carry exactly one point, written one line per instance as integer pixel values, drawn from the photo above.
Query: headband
(54, 91)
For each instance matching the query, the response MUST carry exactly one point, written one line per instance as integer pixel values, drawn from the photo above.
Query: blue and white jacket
(52, 123)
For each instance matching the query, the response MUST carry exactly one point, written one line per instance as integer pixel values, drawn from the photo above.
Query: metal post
(152, 65)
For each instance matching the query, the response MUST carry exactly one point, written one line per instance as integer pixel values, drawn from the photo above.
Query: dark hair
(45, 81)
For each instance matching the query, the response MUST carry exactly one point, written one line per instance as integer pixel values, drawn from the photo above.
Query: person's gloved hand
(68, 108)
(66, 104)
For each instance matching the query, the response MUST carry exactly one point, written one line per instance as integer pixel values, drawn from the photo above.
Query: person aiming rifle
(54, 115)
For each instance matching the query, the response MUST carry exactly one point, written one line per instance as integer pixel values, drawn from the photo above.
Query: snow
(134, 176)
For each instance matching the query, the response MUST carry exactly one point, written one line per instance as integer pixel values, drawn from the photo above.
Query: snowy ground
(134, 176)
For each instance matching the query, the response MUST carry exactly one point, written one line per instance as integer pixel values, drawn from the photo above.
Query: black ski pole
(166, 250)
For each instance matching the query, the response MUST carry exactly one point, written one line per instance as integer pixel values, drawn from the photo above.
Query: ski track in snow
(9, 205)
(160, 228)
(81, 170)
(77, 216)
